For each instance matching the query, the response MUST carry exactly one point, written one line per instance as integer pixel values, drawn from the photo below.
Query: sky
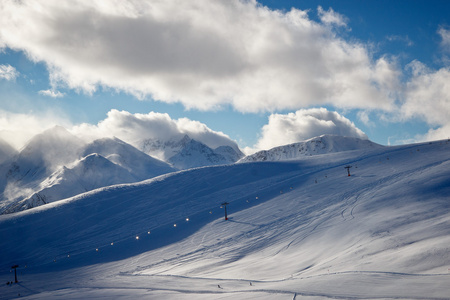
(258, 73)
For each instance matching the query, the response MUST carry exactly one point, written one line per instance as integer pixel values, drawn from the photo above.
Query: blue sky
(263, 73)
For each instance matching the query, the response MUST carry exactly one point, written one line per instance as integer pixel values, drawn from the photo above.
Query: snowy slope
(296, 230)
(188, 153)
(230, 154)
(319, 145)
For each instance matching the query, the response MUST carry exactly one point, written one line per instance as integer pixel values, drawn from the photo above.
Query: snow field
(312, 233)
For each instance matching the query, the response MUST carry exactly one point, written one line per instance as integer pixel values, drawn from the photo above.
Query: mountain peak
(141, 165)
(188, 153)
(186, 139)
(196, 154)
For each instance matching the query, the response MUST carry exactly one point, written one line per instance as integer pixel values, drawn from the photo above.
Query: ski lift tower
(225, 206)
(15, 273)
(348, 169)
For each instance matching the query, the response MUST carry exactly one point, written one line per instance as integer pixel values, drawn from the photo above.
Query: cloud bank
(133, 128)
(209, 54)
(204, 54)
(304, 124)
(428, 98)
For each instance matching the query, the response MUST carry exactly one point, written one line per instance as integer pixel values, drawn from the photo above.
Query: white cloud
(8, 72)
(304, 124)
(363, 116)
(440, 133)
(133, 128)
(445, 35)
(331, 17)
(404, 39)
(204, 54)
(427, 96)
(433, 134)
(51, 93)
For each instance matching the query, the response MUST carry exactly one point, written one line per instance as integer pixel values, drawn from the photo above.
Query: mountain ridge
(188, 153)
(323, 144)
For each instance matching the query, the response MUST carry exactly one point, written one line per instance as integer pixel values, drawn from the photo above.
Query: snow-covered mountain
(77, 167)
(188, 153)
(22, 174)
(319, 145)
(6, 151)
(90, 172)
(229, 153)
(296, 229)
(139, 164)
(162, 149)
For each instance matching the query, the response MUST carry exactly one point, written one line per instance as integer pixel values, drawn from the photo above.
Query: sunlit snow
(299, 229)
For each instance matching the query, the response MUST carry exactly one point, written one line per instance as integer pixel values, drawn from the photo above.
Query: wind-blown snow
(300, 229)
(6, 151)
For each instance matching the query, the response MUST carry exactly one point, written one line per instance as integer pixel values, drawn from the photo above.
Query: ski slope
(297, 230)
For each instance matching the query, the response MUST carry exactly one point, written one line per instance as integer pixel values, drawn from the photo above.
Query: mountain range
(55, 165)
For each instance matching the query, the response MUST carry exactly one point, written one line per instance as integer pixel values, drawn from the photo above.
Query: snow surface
(300, 229)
